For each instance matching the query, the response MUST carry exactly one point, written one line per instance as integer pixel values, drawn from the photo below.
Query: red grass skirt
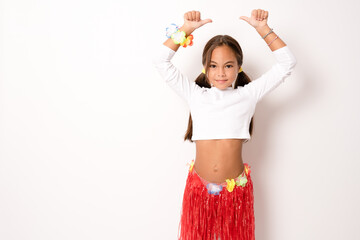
(217, 211)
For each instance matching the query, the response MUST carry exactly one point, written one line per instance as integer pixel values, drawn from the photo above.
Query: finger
(187, 16)
(193, 16)
(266, 14)
(253, 13)
(198, 16)
(245, 19)
(258, 14)
(262, 15)
(205, 21)
(190, 16)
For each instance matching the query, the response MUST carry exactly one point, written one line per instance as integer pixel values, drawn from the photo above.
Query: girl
(218, 197)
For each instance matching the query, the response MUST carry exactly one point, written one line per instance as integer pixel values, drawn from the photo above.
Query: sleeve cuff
(166, 52)
(284, 54)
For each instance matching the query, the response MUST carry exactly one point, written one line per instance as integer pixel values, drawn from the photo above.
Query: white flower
(214, 188)
(171, 29)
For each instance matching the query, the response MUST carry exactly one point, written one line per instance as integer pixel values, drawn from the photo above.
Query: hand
(258, 18)
(192, 20)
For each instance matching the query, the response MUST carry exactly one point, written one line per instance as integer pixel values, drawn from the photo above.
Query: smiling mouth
(221, 81)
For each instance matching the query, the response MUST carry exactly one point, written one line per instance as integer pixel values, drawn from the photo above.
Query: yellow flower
(247, 169)
(191, 165)
(230, 184)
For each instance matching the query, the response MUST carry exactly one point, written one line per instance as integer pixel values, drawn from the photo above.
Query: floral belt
(214, 188)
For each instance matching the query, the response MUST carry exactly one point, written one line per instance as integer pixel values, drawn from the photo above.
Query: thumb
(245, 19)
(205, 21)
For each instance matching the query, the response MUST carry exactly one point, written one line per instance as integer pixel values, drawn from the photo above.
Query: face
(223, 69)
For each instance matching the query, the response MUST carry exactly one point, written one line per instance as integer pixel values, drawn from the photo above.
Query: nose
(221, 72)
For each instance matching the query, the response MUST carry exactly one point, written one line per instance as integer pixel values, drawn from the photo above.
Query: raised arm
(162, 61)
(285, 60)
(192, 21)
(258, 20)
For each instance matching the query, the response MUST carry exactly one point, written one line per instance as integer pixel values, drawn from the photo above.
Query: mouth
(221, 81)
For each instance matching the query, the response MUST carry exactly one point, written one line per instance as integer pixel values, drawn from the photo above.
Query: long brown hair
(241, 80)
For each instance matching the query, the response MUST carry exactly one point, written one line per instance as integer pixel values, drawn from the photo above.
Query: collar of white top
(217, 89)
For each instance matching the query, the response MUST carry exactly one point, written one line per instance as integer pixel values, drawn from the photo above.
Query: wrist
(188, 30)
(262, 30)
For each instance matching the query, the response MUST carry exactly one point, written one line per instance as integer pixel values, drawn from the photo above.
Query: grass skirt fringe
(226, 214)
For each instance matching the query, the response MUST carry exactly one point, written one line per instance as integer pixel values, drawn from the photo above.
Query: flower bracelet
(179, 37)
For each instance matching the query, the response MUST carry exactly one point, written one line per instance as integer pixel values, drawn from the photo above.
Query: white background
(91, 138)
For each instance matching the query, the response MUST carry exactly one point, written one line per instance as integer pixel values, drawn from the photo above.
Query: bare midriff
(219, 159)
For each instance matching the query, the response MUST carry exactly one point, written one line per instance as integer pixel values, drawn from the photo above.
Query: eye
(212, 66)
(229, 66)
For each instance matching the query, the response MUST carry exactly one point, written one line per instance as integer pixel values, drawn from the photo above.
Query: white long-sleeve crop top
(223, 114)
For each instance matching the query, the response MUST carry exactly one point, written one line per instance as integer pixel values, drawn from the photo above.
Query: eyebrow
(225, 63)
